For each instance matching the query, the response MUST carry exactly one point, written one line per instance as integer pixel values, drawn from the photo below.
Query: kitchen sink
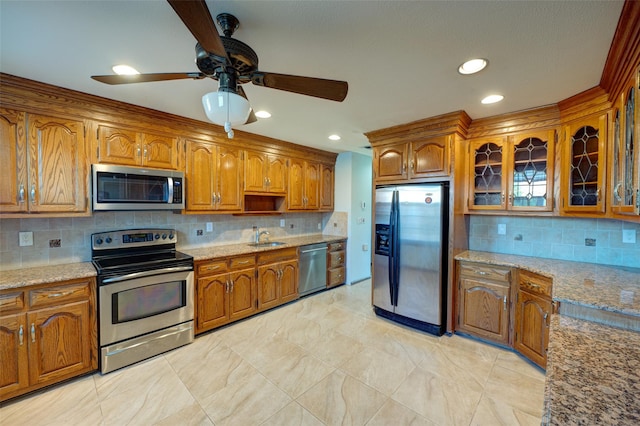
(267, 244)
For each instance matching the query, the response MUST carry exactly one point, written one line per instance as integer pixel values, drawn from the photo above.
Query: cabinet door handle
(598, 194)
(219, 198)
(502, 197)
(616, 192)
(227, 289)
(546, 315)
(21, 335)
(231, 286)
(21, 194)
(146, 152)
(244, 262)
(33, 194)
(138, 150)
(411, 165)
(404, 167)
(504, 302)
(510, 199)
(533, 285)
(33, 333)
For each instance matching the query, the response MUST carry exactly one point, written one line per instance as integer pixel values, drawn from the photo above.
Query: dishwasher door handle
(312, 250)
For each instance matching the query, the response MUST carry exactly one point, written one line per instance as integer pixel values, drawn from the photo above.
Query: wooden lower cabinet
(47, 334)
(336, 261)
(485, 311)
(277, 278)
(226, 291)
(532, 316)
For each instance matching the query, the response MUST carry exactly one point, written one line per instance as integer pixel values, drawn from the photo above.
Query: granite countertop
(212, 252)
(45, 274)
(610, 288)
(55, 273)
(593, 374)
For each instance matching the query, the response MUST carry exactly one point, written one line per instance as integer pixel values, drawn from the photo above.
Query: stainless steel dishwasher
(313, 268)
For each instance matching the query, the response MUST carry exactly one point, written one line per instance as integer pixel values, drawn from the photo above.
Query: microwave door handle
(170, 192)
(145, 274)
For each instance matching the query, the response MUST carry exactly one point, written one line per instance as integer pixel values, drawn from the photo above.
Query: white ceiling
(399, 57)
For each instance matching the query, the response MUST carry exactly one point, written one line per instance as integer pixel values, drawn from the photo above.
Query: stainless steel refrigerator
(410, 260)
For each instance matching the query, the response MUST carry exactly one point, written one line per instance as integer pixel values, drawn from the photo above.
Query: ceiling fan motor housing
(242, 58)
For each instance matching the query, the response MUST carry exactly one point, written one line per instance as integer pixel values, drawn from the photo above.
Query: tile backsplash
(576, 239)
(74, 233)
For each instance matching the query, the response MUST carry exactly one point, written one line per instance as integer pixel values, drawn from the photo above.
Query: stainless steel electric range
(145, 295)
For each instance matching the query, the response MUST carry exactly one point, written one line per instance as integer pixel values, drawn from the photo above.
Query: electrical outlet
(26, 239)
(54, 243)
(629, 236)
(502, 229)
(199, 232)
(209, 227)
(590, 242)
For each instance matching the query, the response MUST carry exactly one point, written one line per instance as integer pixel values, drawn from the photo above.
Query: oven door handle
(146, 274)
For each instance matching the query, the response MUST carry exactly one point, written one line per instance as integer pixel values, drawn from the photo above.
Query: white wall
(353, 182)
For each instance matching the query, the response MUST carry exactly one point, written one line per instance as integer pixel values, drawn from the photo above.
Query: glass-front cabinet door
(583, 165)
(487, 185)
(531, 171)
(625, 184)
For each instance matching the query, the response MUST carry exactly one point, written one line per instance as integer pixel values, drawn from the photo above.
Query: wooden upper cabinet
(264, 173)
(326, 187)
(214, 177)
(514, 173)
(625, 163)
(57, 165)
(487, 177)
(200, 176)
(430, 157)
(583, 165)
(13, 161)
(47, 163)
(413, 160)
(133, 148)
(390, 162)
(304, 185)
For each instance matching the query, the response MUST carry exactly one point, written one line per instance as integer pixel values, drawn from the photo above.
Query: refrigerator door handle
(395, 253)
(391, 269)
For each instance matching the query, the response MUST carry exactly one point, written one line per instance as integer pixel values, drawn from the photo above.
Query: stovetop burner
(137, 250)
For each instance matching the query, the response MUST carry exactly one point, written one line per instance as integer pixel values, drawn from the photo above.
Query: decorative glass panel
(584, 167)
(629, 145)
(530, 173)
(488, 175)
(617, 196)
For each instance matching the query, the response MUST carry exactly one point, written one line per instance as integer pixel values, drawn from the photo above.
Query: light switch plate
(629, 236)
(26, 239)
(209, 226)
(281, 223)
(502, 229)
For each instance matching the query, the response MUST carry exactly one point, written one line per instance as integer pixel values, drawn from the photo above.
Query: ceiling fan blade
(196, 17)
(144, 78)
(252, 116)
(333, 90)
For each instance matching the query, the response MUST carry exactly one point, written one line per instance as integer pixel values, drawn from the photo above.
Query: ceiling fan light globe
(222, 107)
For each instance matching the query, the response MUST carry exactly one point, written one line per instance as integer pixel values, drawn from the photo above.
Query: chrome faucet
(259, 234)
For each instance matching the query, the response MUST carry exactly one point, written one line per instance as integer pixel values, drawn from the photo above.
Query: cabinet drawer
(336, 259)
(57, 295)
(278, 256)
(11, 302)
(535, 283)
(242, 262)
(337, 246)
(213, 267)
(336, 276)
(489, 272)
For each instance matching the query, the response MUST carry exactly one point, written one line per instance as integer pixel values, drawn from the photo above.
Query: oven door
(133, 307)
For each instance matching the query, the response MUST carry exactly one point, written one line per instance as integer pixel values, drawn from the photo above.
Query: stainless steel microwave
(136, 188)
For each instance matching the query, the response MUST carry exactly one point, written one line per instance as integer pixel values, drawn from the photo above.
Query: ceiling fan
(232, 63)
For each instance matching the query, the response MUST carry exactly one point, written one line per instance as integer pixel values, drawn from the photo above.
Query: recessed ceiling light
(263, 114)
(473, 66)
(334, 137)
(124, 70)
(492, 99)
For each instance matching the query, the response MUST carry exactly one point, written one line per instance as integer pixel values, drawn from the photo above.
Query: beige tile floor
(325, 359)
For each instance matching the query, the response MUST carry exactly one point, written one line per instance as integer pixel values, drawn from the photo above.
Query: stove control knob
(164, 236)
(108, 240)
(157, 236)
(98, 241)
(171, 236)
